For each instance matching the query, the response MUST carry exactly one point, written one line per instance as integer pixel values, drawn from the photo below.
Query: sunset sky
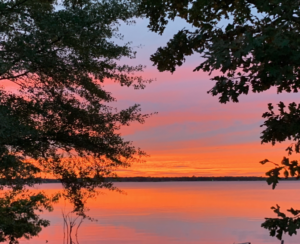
(192, 134)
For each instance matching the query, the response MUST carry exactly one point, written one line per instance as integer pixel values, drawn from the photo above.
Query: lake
(178, 212)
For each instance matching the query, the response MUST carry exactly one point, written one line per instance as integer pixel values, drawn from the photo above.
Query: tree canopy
(58, 121)
(253, 46)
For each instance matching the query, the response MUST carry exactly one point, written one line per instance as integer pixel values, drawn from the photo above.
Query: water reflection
(71, 224)
(180, 213)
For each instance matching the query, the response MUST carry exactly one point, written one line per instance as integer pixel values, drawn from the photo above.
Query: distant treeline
(194, 178)
(168, 179)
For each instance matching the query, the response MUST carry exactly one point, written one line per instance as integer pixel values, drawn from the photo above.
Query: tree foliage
(253, 46)
(19, 216)
(57, 119)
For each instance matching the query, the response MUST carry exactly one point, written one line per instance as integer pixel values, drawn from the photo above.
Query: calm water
(179, 212)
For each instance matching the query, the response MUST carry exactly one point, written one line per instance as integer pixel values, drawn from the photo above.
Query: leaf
(286, 174)
(285, 161)
(293, 211)
(264, 161)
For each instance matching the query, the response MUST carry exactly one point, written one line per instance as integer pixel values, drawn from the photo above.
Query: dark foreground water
(178, 212)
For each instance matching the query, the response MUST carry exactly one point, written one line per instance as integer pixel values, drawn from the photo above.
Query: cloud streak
(193, 134)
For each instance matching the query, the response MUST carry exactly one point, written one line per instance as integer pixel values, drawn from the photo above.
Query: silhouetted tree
(57, 120)
(255, 45)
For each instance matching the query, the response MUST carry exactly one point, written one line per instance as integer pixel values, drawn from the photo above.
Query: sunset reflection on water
(178, 212)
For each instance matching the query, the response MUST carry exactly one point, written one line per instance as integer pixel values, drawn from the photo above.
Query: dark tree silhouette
(256, 49)
(58, 120)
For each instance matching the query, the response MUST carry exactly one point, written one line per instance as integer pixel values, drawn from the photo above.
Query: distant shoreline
(179, 179)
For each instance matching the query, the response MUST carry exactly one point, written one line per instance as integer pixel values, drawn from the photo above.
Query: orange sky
(192, 134)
